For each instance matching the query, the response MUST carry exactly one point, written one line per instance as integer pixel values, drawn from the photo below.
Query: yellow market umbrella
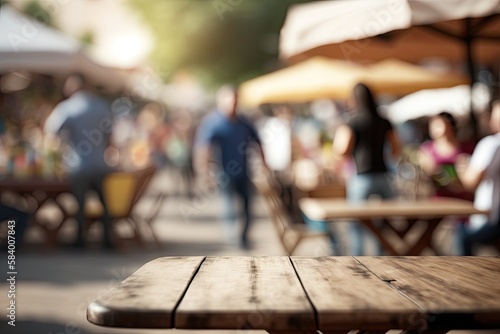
(312, 79)
(397, 77)
(320, 77)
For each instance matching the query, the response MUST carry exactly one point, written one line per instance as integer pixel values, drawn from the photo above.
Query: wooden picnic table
(123, 190)
(39, 191)
(427, 212)
(282, 294)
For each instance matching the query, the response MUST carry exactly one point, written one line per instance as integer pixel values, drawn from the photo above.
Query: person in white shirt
(482, 173)
(276, 137)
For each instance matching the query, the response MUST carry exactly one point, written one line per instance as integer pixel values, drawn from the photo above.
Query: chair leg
(497, 246)
(291, 248)
(89, 224)
(137, 232)
(152, 218)
(149, 224)
(115, 238)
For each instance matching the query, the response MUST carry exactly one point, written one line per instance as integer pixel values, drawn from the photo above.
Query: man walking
(229, 138)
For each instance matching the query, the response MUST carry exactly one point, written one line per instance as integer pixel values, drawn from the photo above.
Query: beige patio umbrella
(320, 77)
(396, 77)
(312, 79)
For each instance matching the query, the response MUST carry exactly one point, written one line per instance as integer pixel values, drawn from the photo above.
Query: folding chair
(122, 192)
(290, 234)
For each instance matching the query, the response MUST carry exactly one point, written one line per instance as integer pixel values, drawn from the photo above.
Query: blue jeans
(487, 234)
(360, 188)
(461, 232)
(82, 183)
(239, 189)
(323, 226)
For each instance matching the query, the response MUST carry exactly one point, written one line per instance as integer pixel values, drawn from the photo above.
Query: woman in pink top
(437, 159)
(439, 155)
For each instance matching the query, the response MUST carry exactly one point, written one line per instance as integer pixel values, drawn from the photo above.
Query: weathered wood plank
(456, 292)
(347, 296)
(297, 332)
(246, 293)
(148, 297)
(423, 331)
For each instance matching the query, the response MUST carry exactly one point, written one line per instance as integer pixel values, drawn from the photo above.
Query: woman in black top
(363, 138)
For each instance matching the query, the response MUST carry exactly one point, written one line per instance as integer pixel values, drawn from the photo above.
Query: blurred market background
(158, 64)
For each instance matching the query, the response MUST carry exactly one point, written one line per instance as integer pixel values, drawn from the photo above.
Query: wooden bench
(307, 294)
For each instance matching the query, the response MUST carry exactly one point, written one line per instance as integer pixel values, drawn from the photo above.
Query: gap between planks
(174, 310)
(316, 320)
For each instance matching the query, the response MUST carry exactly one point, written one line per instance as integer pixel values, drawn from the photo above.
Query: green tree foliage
(219, 40)
(36, 10)
(87, 38)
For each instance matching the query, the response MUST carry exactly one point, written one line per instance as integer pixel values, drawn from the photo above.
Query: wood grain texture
(331, 208)
(148, 297)
(303, 294)
(246, 293)
(297, 332)
(323, 191)
(456, 292)
(347, 296)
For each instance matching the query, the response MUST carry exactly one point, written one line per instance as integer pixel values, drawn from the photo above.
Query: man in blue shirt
(83, 122)
(229, 139)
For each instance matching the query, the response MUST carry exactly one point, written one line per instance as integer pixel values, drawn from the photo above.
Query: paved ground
(54, 288)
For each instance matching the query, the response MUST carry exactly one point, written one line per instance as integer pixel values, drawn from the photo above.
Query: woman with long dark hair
(363, 138)
(438, 157)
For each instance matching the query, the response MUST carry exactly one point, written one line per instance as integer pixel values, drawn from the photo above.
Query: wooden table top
(34, 183)
(306, 294)
(333, 208)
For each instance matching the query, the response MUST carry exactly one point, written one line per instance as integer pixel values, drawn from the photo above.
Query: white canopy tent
(410, 30)
(429, 102)
(28, 45)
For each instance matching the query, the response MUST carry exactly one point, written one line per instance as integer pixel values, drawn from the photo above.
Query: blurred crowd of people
(366, 152)
(84, 136)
